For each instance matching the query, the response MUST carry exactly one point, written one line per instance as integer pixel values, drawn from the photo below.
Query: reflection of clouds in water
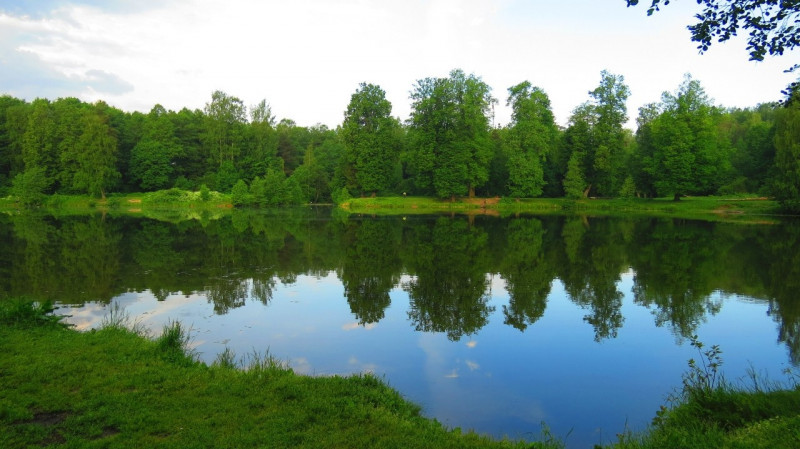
(452, 374)
(362, 367)
(472, 365)
(354, 326)
(471, 344)
(141, 309)
(301, 365)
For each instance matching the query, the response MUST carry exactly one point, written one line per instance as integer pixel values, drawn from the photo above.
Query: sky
(307, 57)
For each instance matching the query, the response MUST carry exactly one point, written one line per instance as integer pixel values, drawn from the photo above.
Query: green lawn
(714, 208)
(115, 388)
(112, 388)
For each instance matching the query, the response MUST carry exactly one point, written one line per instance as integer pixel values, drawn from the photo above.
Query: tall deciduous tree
(787, 157)
(530, 140)
(225, 119)
(449, 134)
(151, 161)
(686, 156)
(39, 145)
(608, 151)
(95, 162)
(370, 136)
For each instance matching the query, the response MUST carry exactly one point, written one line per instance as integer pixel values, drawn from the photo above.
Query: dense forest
(448, 147)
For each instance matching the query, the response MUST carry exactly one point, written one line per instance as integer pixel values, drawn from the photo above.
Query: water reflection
(445, 264)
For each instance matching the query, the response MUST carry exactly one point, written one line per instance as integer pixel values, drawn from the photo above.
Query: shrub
(240, 194)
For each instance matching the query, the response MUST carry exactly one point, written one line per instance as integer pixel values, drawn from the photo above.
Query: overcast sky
(307, 57)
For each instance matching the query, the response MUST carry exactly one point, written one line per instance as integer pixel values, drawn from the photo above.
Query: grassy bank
(165, 205)
(114, 388)
(710, 412)
(714, 208)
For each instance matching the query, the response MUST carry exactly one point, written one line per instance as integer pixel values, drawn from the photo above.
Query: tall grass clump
(709, 411)
(174, 344)
(27, 313)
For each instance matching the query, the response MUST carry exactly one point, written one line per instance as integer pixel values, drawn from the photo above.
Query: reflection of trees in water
(782, 275)
(594, 259)
(682, 269)
(73, 260)
(527, 274)
(227, 294)
(371, 266)
(449, 291)
(678, 267)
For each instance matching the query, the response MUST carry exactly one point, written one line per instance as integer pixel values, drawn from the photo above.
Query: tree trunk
(586, 192)
(471, 191)
(677, 197)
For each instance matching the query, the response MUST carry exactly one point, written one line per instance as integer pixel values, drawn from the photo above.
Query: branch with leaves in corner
(773, 26)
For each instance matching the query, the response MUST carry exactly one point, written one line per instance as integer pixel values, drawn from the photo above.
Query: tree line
(448, 147)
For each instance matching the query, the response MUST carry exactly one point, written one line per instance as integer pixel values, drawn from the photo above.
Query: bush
(340, 195)
(240, 194)
(205, 193)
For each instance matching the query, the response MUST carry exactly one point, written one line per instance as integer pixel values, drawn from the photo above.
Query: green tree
(151, 161)
(261, 151)
(225, 118)
(530, 140)
(92, 160)
(29, 186)
(13, 121)
(39, 144)
(686, 156)
(787, 157)
(573, 181)
(370, 137)
(607, 154)
(240, 194)
(449, 134)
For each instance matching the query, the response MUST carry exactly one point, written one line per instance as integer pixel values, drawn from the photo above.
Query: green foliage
(205, 193)
(174, 344)
(628, 189)
(370, 135)
(771, 26)
(682, 150)
(786, 185)
(30, 185)
(240, 194)
(340, 195)
(449, 134)
(118, 389)
(226, 177)
(26, 313)
(531, 139)
(574, 182)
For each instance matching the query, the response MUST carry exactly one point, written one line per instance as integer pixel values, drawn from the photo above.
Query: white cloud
(306, 57)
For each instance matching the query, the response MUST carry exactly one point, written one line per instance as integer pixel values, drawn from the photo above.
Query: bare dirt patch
(483, 202)
(135, 200)
(48, 418)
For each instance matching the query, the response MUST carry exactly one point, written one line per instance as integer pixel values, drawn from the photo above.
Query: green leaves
(371, 139)
(449, 133)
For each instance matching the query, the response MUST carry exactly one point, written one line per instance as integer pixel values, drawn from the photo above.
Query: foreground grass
(713, 208)
(114, 388)
(710, 412)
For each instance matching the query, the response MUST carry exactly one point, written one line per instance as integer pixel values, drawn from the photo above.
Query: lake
(493, 324)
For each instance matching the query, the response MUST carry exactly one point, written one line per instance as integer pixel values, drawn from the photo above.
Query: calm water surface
(492, 324)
